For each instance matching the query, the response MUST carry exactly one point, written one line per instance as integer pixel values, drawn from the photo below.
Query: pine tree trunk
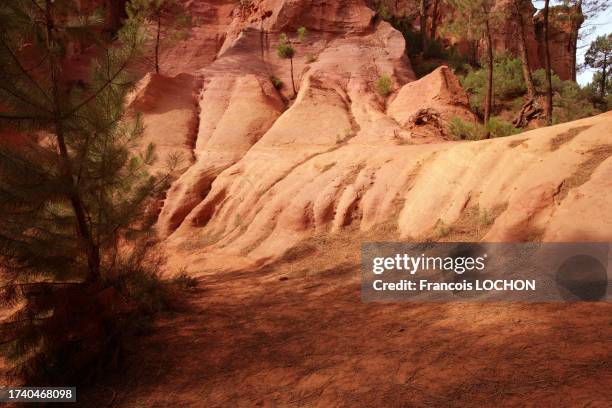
(489, 96)
(549, 103)
(531, 92)
(576, 23)
(604, 77)
(92, 250)
(292, 81)
(423, 23)
(157, 40)
(434, 19)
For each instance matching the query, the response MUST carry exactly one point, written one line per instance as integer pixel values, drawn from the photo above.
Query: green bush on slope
(497, 127)
(570, 101)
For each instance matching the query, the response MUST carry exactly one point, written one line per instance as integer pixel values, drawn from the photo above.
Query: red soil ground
(296, 334)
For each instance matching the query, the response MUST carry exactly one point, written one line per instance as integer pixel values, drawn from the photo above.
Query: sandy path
(297, 334)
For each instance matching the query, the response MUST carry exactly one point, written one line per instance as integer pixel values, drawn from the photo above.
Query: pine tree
(547, 64)
(285, 50)
(423, 4)
(70, 189)
(473, 21)
(160, 14)
(517, 14)
(599, 56)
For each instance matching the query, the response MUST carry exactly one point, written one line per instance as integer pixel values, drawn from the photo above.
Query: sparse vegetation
(285, 50)
(473, 21)
(160, 15)
(184, 281)
(462, 130)
(508, 82)
(383, 12)
(384, 85)
(310, 57)
(565, 137)
(425, 67)
(441, 230)
(510, 93)
(301, 34)
(497, 127)
(343, 136)
(570, 101)
(277, 83)
(487, 218)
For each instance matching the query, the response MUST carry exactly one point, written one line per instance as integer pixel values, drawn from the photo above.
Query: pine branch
(23, 70)
(20, 117)
(38, 6)
(103, 87)
(24, 99)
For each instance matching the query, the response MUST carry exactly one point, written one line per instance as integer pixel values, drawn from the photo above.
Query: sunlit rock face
(266, 169)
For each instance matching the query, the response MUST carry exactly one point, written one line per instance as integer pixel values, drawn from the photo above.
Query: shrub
(343, 136)
(497, 127)
(539, 80)
(301, 33)
(458, 62)
(425, 67)
(570, 101)
(487, 218)
(91, 322)
(414, 44)
(508, 77)
(184, 281)
(462, 130)
(383, 12)
(310, 57)
(435, 49)
(474, 85)
(441, 230)
(277, 83)
(384, 85)
(517, 103)
(507, 82)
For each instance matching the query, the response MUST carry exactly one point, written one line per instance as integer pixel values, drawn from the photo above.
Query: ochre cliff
(564, 25)
(265, 170)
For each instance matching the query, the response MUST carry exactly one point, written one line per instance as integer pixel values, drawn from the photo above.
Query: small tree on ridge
(285, 50)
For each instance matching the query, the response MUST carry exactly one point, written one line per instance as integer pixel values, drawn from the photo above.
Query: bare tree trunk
(488, 104)
(531, 91)
(549, 99)
(91, 249)
(157, 40)
(423, 23)
(292, 81)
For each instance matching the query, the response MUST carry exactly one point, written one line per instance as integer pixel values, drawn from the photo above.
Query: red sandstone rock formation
(269, 171)
(265, 170)
(561, 37)
(562, 32)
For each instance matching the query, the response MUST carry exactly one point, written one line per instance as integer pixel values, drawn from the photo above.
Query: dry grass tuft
(561, 139)
(596, 156)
